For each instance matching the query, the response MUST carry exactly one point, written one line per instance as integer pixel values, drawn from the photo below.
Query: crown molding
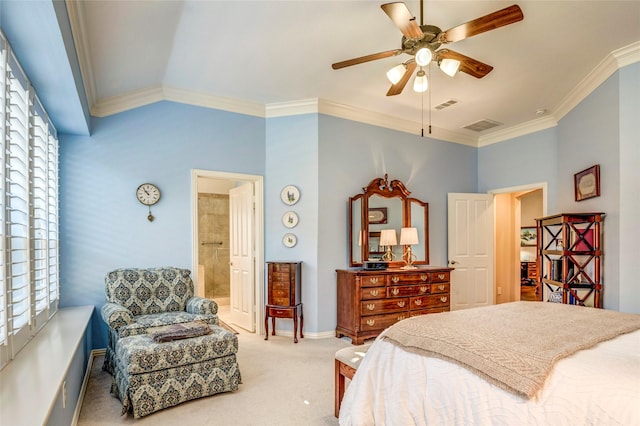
(606, 68)
(215, 102)
(135, 99)
(75, 11)
(522, 129)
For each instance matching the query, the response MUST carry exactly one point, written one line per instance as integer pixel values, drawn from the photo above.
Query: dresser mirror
(386, 205)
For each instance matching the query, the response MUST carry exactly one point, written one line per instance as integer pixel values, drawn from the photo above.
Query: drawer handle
(424, 277)
(441, 287)
(401, 304)
(371, 306)
(373, 280)
(441, 276)
(373, 292)
(395, 278)
(370, 322)
(424, 289)
(443, 299)
(418, 302)
(395, 291)
(401, 317)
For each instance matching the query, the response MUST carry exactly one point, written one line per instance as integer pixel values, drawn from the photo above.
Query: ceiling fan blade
(397, 88)
(494, 20)
(404, 20)
(367, 58)
(467, 65)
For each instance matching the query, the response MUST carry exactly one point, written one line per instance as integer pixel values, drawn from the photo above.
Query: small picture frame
(528, 236)
(587, 183)
(377, 215)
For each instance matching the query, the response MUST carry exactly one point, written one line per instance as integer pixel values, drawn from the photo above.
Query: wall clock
(148, 194)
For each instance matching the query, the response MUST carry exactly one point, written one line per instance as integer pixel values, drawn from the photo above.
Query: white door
(242, 272)
(470, 237)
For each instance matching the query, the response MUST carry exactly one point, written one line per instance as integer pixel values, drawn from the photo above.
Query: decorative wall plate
(289, 240)
(290, 219)
(290, 195)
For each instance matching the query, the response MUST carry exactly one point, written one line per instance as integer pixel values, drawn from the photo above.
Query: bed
(518, 363)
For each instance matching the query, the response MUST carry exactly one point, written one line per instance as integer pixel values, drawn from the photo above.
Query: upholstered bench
(347, 362)
(151, 376)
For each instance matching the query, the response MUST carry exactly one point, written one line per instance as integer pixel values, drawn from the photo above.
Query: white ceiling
(253, 55)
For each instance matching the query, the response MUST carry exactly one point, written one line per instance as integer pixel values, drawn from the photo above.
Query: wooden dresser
(370, 301)
(284, 296)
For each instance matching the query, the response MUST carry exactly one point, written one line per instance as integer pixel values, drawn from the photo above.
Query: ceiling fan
(423, 41)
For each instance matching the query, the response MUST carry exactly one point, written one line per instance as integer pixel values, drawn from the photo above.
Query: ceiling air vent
(481, 125)
(446, 104)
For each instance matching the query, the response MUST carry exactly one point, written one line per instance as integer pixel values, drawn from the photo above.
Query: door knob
(452, 262)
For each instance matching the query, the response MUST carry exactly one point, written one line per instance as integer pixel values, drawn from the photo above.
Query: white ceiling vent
(481, 125)
(446, 104)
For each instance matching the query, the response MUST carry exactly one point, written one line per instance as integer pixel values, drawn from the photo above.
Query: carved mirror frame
(361, 231)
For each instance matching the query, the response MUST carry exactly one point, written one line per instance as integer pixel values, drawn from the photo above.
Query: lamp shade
(388, 237)
(450, 66)
(408, 236)
(395, 74)
(423, 57)
(420, 84)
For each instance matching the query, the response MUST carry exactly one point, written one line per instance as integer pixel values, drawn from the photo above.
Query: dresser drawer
(373, 293)
(439, 277)
(416, 278)
(280, 285)
(280, 293)
(435, 301)
(372, 280)
(281, 267)
(428, 311)
(281, 313)
(372, 307)
(282, 277)
(407, 290)
(380, 322)
(440, 288)
(280, 301)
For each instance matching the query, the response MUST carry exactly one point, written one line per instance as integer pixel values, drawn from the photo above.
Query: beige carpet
(282, 384)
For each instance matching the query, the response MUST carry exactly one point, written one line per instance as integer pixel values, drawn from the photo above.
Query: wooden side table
(293, 312)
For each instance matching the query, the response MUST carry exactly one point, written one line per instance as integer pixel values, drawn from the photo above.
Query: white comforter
(597, 386)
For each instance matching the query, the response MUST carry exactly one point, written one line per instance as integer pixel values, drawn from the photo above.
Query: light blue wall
(292, 159)
(629, 178)
(352, 154)
(603, 129)
(520, 161)
(103, 226)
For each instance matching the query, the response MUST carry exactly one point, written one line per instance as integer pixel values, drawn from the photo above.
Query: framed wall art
(587, 183)
(528, 236)
(377, 215)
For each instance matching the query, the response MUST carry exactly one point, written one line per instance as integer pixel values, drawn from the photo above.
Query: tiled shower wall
(213, 243)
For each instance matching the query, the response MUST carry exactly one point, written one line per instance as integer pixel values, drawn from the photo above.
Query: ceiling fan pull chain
(431, 81)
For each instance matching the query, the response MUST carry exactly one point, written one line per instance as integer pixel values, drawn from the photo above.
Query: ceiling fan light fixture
(450, 66)
(423, 56)
(395, 74)
(420, 84)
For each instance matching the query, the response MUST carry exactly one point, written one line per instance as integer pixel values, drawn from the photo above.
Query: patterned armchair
(141, 298)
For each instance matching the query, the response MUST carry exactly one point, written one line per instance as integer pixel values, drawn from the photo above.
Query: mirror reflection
(376, 221)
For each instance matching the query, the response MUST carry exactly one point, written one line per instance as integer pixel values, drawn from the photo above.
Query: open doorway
(214, 240)
(516, 208)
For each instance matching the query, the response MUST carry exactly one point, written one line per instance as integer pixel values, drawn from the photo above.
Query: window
(29, 271)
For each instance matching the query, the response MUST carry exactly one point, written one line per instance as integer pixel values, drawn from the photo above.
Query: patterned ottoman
(150, 376)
